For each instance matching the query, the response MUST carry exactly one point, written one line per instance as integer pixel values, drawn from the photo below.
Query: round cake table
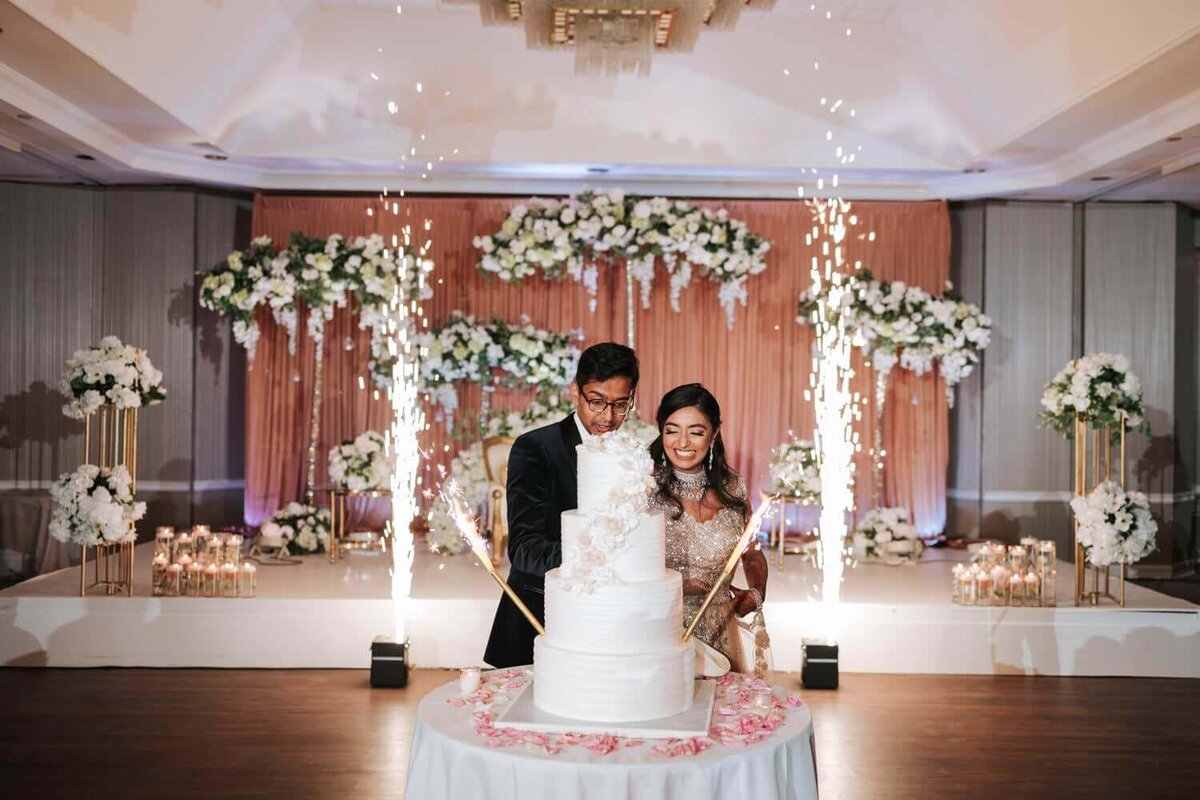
(457, 754)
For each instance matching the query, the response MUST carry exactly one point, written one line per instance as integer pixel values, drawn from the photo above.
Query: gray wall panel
(966, 270)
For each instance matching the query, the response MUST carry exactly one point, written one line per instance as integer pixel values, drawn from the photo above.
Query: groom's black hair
(607, 360)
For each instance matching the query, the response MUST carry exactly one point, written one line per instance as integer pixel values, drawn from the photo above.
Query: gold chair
(495, 463)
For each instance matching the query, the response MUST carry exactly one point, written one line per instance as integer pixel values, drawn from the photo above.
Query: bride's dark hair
(721, 477)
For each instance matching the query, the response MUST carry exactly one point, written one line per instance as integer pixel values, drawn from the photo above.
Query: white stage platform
(893, 619)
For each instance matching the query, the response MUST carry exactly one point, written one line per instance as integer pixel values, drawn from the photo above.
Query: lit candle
(183, 544)
(229, 580)
(211, 579)
(468, 680)
(1017, 589)
(1031, 588)
(171, 581)
(201, 530)
(164, 542)
(983, 587)
(764, 700)
(158, 572)
(249, 579)
(194, 579)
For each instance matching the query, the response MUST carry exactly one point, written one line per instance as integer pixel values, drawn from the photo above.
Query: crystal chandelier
(615, 36)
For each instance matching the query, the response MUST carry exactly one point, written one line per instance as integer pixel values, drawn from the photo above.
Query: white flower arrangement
(466, 350)
(885, 534)
(1099, 386)
(1115, 526)
(573, 237)
(896, 323)
(793, 471)
(323, 274)
(94, 506)
(304, 528)
(360, 464)
(111, 373)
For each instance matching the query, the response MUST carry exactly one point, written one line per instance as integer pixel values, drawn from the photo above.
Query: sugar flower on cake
(305, 528)
(885, 534)
(94, 506)
(1099, 387)
(361, 464)
(1115, 526)
(113, 374)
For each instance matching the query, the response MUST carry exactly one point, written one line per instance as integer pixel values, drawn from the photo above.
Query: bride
(704, 502)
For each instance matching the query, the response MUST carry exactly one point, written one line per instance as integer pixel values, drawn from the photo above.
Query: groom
(541, 485)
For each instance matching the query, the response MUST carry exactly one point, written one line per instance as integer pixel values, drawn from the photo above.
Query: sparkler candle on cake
(731, 563)
(470, 532)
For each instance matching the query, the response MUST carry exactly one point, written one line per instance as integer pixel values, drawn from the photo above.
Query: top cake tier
(614, 469)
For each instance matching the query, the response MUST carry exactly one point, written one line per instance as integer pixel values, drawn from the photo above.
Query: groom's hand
(743, 601)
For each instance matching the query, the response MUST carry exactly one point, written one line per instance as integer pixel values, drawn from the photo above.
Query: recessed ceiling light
(974, 170)
(598, 170)
(216, 157)
(84, 157)
(1101, 178)
(1174, 138)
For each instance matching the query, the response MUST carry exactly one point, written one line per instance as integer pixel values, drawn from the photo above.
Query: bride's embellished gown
(698, 551)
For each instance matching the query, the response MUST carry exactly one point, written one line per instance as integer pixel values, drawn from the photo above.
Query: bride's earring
(710, 457)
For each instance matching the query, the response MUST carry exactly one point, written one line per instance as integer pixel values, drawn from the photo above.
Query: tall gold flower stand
(112, 569)
(778, 536)
(1093, 584)
(339, 538)
(108, 442)
(115, 439)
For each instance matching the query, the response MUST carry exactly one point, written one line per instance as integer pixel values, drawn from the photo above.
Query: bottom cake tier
(612, 688)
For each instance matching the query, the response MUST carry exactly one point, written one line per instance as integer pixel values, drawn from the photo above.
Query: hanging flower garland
(323, 275)
(894, 323)
(517, 356)
(574, 237)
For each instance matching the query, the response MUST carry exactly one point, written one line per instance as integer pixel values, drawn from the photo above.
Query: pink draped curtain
(758, 370)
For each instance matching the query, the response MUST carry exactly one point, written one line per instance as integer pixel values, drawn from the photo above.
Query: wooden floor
(133, 733)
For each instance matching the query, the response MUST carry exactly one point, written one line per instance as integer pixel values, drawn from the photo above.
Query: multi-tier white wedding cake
(614, 612)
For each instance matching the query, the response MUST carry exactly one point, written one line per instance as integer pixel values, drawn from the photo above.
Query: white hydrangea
(305, 528)
(111, 373)
(361, 465)
(94, 506)
(1099, 387)
(793, 471)
(1115, 526)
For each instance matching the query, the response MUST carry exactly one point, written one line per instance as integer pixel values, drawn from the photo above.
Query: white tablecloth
(451, 761)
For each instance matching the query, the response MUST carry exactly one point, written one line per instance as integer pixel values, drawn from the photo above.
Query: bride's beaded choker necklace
(690, 485)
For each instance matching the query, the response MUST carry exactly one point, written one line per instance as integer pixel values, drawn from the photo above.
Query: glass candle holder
(158, 573)
(210, 583)
(999, 586)
(1016, 589)
(468, 680)
(956, 586)
(170, 584)
(185, 562)
(201, 530)
(763, 701)
(248, 582)
(200, 545)
(229, 580)
(195, 579)
(212, 553)
(1032, 588)
(183, 545)
(1047, 571)
(233, 548)
(164, 542)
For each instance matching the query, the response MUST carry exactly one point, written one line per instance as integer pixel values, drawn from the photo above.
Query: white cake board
(523, 715)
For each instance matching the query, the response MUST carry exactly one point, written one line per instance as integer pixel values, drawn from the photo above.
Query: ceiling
(952, 99)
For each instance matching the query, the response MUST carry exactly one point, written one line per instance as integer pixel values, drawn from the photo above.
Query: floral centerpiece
(1115, 526)
(573, 237)
(515, 355)
(111, 373)
(304, 528)
(360, 464)
(1099, 386)
(793, 471)
(323, 275)
(94, 506)
(886, 534)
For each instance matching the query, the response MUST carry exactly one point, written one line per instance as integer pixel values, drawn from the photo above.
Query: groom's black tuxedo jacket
(541, 485)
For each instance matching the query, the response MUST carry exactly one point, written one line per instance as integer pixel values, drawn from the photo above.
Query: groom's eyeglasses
(597, 405)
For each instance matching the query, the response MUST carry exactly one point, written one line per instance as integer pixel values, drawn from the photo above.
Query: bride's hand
(692, 586)
(743, 601)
